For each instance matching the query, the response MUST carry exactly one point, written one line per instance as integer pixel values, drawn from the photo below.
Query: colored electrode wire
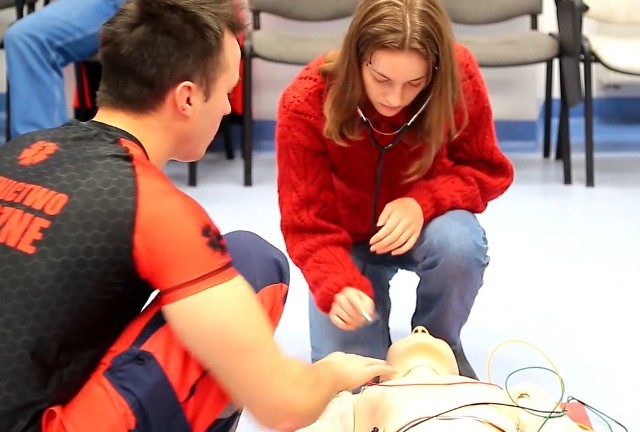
(556, 412)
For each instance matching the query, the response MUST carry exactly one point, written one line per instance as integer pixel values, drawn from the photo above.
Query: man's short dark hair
(149, 46)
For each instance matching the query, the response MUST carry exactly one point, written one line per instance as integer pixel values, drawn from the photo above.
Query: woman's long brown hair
(419, 25)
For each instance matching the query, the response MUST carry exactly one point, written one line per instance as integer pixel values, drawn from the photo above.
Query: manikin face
(393, 78)
(421, 348)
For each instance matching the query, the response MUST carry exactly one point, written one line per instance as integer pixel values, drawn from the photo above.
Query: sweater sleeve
(471, 170)
(310, 221)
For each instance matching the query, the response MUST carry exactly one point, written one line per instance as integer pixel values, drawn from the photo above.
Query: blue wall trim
(616, 128)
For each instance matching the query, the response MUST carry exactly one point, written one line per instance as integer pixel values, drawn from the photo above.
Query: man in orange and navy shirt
(90, 227)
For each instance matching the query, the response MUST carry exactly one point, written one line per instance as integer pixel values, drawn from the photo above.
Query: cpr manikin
(427, 383)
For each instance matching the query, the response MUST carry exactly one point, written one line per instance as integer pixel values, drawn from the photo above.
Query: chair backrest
(480, 12)
(614, 11)
(305, 10)
(20, 5)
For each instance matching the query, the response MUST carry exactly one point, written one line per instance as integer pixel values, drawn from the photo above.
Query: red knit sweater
(325, 191)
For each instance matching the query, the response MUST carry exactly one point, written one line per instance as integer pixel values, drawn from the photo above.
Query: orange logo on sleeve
(37, 152)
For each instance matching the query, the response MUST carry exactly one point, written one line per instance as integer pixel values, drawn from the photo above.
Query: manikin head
(420, 348)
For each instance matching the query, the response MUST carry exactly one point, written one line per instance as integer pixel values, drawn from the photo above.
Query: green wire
(553, 413)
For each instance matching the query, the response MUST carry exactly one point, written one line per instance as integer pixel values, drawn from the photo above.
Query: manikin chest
(472, 407)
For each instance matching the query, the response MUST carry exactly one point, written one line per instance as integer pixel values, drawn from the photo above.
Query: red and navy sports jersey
(89, 228)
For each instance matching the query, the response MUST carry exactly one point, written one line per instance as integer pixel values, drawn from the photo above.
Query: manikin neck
(423, 370)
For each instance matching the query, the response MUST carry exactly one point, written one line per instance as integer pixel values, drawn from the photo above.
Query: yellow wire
(518, 341)
(539, 351)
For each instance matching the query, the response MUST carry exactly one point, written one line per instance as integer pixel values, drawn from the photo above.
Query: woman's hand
(351, 309)
(401, 221)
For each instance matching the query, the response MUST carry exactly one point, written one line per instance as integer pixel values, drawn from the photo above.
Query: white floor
(564, 274)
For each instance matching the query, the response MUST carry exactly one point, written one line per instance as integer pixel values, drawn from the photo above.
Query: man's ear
(182, 97)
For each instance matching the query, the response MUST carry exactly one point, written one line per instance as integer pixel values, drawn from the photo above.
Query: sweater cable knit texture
(325, 190)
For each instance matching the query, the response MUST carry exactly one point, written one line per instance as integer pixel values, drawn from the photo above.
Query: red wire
(373, 383)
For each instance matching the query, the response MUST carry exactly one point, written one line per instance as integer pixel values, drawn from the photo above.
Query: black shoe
(463, 364)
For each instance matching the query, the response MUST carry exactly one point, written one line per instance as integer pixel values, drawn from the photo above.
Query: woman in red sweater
(385, 152)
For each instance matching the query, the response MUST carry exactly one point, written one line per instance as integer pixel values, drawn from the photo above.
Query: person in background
(38, 47)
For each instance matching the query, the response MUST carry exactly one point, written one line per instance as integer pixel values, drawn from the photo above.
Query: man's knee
(257, 260)
(227, 421)
(18, 35)
(14, 36)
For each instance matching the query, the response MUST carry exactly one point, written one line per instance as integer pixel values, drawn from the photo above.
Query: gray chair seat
(293, 48)
(95, 58)
(3, 28)
(619, 54)
(515, 49)
(5, 4)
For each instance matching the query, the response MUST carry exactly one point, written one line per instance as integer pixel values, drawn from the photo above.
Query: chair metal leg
(7, 121)
(564, 141)
(82, 111)
(247, 119)
(226, 134)
(588, 120)
(193, 173)
(546, 150)
(564, 136)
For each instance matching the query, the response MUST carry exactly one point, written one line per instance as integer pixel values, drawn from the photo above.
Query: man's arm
(227, 330)
(219, 319)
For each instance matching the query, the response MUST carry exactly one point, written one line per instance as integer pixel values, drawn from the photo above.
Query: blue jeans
(449, 257)
(37, 49)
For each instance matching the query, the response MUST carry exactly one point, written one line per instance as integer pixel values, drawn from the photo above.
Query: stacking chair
(527, 47)
(617, 53)
(285, 47)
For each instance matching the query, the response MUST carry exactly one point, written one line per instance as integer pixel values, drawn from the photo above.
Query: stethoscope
(382, 151)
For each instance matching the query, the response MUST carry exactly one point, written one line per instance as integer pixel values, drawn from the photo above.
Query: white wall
(516, 93)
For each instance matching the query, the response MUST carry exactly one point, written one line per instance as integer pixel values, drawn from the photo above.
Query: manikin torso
(422, 393)
(426, 384)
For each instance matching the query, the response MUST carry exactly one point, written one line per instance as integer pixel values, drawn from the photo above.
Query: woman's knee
(455, 236)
